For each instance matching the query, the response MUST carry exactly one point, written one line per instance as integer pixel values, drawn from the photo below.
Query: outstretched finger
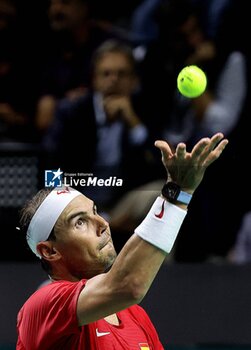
(199, 148)
(181, 151)
(164, 148)
(214, 140)
(215, 153)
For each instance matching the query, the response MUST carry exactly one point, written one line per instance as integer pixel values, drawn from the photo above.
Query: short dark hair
(30, 208)
(113, 46)
(26, 214)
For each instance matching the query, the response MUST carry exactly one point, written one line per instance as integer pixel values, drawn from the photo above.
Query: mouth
(106, 242)
(107, 239)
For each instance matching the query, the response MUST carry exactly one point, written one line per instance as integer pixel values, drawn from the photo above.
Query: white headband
(47, 214)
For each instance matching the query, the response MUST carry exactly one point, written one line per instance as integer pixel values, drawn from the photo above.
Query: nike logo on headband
(66, 190)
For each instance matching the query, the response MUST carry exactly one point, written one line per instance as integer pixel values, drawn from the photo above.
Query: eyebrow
(72, 216)
(83, 213)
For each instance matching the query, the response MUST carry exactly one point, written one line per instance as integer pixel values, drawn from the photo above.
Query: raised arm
(138, 262)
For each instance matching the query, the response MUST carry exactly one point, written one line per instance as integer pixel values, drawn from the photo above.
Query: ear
(48, 251)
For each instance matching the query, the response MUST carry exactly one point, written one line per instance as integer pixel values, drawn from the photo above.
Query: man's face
(83, 238)
(113, 75)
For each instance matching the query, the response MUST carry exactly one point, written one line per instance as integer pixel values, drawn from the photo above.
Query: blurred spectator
(108, 126)
(128, 211)
(240, 253)
(143, 26)
(17, 90)
(70, 43)
(214, 12)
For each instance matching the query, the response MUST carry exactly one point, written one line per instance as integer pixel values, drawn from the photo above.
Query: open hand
(187, 169)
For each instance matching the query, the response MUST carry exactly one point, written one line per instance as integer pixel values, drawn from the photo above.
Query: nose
(113, 78)
(102, 225)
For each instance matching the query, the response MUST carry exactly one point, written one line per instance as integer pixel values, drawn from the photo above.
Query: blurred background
(87, 86)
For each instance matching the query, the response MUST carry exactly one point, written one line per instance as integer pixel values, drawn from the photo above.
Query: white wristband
(161, 225)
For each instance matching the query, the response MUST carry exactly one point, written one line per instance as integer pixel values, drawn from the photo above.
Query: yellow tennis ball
(191, 81)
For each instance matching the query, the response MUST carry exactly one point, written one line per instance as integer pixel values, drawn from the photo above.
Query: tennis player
(92, 301)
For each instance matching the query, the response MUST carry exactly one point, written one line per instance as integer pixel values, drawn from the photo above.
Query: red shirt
(48, 320)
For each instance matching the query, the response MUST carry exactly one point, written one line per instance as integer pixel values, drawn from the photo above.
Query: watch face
(171, 190)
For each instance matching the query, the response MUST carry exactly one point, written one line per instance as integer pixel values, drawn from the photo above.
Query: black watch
(172, 192)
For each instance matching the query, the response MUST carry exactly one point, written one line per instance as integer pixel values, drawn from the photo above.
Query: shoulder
(72, 111)
(51, 293)
(68, 105)
(59, 287)
(50, 311)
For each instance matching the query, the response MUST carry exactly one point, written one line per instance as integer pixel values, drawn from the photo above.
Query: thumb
(164, 148)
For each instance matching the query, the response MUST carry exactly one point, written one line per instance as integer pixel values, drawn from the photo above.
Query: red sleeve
(142, 317)
(50, 312)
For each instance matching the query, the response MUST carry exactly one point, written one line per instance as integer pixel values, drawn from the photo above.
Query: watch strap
(184, 197)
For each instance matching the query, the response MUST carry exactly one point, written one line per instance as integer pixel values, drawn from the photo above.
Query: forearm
(142, 256)
(135, 267)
